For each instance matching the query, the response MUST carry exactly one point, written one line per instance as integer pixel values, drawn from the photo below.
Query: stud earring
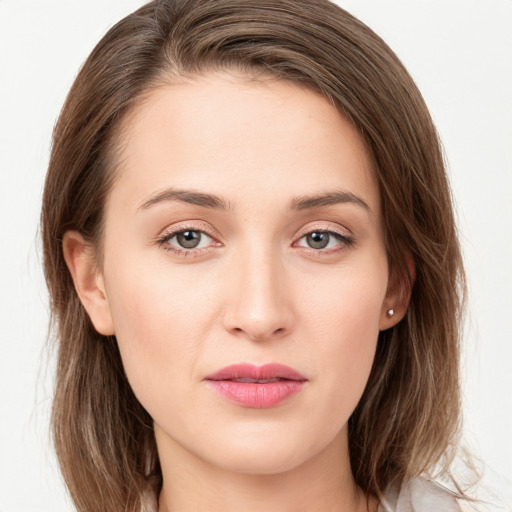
(390, 313)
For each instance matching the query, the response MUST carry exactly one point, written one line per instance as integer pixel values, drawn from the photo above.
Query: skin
(253, 291)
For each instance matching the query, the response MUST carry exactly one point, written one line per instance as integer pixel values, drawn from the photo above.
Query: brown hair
(407, 420)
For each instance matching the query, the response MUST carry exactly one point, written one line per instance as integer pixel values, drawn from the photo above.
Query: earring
(390, 313)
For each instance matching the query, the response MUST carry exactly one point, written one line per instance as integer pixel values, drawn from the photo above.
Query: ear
(398, 296)
(88, 280)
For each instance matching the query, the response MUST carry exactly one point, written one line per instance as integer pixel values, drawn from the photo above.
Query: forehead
(229, 134)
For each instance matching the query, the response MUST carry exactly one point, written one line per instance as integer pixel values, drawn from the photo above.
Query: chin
(260, 460)
(264, 453)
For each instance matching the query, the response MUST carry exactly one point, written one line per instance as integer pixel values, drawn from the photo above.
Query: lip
(262, 386)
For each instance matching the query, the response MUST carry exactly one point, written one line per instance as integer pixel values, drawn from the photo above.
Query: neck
(323, 483)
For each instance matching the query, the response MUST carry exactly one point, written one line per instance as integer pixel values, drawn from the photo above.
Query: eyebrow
(299, 203)
(330, 198)
(187, 196)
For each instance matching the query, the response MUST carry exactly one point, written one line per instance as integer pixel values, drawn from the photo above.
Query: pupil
(318, 240)
(188, 239)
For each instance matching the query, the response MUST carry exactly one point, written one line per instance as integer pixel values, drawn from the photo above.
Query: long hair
(407, 420)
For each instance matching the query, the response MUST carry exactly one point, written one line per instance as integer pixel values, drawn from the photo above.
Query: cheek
(346, 306)
(344, 321)
(160, 324)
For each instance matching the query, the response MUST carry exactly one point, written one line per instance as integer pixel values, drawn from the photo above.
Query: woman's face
(244, 227)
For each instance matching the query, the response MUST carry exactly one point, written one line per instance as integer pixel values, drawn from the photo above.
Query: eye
(319, 240)
(185, 240)
(190, 239)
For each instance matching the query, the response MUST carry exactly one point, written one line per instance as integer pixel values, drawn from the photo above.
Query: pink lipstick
(258, 387)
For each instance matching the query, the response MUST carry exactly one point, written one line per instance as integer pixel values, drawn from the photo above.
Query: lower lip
(257, 395)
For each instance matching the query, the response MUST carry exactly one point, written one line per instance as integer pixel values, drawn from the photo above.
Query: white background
(460, 54)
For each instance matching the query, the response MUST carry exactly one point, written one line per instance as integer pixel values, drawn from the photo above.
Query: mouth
(257, 387)
(254, 381)
(251, 373)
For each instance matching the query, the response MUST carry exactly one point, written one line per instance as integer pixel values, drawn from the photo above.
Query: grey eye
(188, 239)
(318, 239)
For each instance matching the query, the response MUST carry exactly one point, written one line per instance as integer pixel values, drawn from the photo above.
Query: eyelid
(189, 225)
(345, 232)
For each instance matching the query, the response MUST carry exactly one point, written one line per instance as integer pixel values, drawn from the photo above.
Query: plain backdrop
(460, 54)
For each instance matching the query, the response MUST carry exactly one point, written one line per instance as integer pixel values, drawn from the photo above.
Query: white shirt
(419, 495)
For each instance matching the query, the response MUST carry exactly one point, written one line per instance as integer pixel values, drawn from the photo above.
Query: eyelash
(164, 239)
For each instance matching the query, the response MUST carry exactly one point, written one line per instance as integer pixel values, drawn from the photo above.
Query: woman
(254, 269)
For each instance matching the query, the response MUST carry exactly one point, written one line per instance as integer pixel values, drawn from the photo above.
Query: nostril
(258, 336)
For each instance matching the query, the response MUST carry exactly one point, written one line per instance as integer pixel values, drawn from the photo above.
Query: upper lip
(250, 371)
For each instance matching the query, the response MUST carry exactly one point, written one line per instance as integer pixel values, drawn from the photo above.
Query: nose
(260, 299)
